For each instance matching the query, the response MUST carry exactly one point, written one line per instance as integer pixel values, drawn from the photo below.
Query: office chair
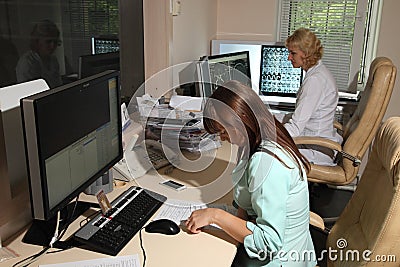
(370, 222)
(359, 131)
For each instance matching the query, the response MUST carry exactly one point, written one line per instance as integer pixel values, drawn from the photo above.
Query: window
(342, 26)
(87, 19)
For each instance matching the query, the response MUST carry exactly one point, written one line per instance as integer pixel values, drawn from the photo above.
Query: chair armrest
(323, 142)
(317, 221)
(338, 125)
(305, 140)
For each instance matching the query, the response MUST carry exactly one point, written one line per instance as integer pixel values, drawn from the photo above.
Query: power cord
(31, 259)
(57, 236)
(141, 246)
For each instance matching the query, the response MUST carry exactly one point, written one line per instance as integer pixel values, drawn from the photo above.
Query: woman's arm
(232, 225)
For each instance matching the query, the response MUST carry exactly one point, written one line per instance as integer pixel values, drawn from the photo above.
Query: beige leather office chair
(360, 130)
(371, 219)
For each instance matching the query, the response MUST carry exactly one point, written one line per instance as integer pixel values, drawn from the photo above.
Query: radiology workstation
(113, 184)
(74, 136)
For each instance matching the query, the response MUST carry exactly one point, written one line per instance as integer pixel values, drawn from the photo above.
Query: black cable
(141, 246)
(88, 218)
(31, 258)
(34, 257)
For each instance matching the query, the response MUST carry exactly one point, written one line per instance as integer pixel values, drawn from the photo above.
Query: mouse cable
(141, 246)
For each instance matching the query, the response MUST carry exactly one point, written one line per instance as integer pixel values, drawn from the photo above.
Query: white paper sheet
(179, 211)
(186, 102)
(118, 261)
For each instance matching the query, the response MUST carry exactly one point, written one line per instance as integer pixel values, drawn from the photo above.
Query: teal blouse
(276, 196)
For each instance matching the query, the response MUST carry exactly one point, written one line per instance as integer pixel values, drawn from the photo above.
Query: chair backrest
(360, 130)
(371, 219)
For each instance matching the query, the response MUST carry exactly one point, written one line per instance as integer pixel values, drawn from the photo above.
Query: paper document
(179, 210)
(186, 102)
(118, 261)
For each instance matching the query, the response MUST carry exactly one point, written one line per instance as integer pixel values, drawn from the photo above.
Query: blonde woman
(317, 97)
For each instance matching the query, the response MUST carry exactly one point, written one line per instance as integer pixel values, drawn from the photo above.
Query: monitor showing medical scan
(277, 75)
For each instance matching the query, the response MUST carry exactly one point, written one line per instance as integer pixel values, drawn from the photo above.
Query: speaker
(105, 183)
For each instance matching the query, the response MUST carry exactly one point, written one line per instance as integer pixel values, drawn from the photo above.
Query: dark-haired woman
(270, 183)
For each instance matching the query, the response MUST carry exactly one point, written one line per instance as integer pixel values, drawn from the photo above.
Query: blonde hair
(308, 42)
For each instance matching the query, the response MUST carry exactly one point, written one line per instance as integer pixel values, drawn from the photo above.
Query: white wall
(388, 46)
(253, 20)
(196, 23)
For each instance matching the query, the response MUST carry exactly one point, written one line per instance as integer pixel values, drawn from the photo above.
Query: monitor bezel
(83, 61)
(260, 92)
(40, 205)
(232, 54)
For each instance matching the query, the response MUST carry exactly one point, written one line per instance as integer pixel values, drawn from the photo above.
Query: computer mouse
(163, 226)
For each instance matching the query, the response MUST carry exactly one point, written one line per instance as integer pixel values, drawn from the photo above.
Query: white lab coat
(314, 114)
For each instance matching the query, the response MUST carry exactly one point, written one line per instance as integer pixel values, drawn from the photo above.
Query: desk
(345, 108)
(212, 248)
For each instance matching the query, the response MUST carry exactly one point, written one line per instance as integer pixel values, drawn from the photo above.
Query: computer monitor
(93, 64)
(104, 45)
(189, 79)
(229, 66)
(254, 48)
(277, 75)
(73, 135)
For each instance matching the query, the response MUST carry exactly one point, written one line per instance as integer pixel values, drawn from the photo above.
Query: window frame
(365, 37)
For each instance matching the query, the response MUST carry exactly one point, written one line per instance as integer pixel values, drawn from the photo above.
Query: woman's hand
(231, 224)
(201, 218)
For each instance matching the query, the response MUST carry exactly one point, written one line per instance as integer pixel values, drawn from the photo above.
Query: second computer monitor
(229, 66)
(277, 75)
(104, 45)
(97, 63)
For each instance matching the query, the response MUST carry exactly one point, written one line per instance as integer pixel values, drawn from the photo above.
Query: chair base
(328, 202)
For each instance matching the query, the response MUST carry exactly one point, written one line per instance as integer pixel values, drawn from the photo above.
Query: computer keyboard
(109, 233)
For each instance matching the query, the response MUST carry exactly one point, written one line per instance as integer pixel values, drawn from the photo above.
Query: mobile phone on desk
(174, 185)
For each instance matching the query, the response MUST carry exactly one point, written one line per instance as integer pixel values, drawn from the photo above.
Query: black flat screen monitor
(277, 75)
(73, 135)
(229, 66)
(93, 64)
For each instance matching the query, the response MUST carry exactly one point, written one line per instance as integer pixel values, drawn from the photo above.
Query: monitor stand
(41, 232)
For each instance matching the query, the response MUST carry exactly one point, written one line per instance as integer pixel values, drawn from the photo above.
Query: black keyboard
(110, 232)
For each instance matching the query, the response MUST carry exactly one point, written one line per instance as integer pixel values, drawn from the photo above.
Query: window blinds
(333, 21)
